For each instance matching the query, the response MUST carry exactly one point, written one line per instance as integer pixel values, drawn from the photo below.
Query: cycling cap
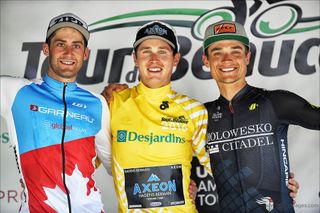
(225, 30)
(159, 30)
(68, 20)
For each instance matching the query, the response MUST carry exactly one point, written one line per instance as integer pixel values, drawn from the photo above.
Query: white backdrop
(24, 22)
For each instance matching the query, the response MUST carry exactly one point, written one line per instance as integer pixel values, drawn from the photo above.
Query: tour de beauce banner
(285, 42)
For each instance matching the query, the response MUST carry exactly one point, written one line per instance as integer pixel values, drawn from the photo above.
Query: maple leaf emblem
(80, 201)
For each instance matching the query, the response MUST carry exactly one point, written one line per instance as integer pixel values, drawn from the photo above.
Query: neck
(60, 78)
(229, 90)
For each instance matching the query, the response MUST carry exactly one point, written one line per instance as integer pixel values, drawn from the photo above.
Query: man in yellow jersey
(155, 130)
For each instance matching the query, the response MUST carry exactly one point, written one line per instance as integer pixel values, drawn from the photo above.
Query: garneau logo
(59, 112)
(125, 136)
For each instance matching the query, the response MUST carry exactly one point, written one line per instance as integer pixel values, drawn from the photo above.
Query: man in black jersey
(247, 127)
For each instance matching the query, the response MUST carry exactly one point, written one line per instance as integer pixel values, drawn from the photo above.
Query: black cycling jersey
(247, 143)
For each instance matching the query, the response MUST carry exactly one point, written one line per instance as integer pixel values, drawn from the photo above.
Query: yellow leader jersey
(154, 135)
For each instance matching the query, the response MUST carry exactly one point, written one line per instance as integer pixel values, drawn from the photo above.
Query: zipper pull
(231, 107)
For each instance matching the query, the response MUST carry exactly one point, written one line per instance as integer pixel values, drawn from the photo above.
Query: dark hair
(48, 40)
(246, 50)
(173, 50)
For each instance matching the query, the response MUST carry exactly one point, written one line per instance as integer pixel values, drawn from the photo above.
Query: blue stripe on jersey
(39, 108)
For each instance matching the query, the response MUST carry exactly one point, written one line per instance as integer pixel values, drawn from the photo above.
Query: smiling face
(155, 61)
(227, 60)
(66, 53)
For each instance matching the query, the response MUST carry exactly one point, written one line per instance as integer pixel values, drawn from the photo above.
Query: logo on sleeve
(253, 106)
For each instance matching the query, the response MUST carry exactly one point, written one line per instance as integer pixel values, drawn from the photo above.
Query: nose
(226, 57)
(153, 57)
(68, 50)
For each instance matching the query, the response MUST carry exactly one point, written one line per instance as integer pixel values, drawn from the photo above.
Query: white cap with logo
(68, 20)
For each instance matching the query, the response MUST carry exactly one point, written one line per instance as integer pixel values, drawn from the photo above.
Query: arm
(193, 189)
(3, 102)
(9, 87)
(103, 138)
(293, 109)
(200, 138)
(198, 146)
(293, 186)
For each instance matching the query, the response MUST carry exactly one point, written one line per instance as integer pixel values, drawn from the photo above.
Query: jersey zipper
(62, 147)
(231, 107)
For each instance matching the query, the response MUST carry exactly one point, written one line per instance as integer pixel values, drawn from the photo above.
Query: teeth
(228, 69)
(154, 69)
(67, 62)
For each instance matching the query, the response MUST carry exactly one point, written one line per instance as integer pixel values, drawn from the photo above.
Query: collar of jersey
(153, 93)
(243, 92)
(58, 85)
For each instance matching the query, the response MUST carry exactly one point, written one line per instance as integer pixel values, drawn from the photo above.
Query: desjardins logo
(125, 136)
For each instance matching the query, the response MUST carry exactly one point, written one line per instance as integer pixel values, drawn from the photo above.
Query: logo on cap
(67, 19)
(224, 28)
(156, 30)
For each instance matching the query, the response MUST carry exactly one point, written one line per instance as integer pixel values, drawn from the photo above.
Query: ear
(176, 59)
(248, 56)
(135, 59)
(86, 54)
(205, 60)
(45, 49)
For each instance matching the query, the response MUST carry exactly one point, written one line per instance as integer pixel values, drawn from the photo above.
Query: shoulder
(186, 101)
(281, 99)
(13, 81)
(123, 95)
(192, 107)
(276, 95)
(210, 104)
(91, 97)
(11, 85)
